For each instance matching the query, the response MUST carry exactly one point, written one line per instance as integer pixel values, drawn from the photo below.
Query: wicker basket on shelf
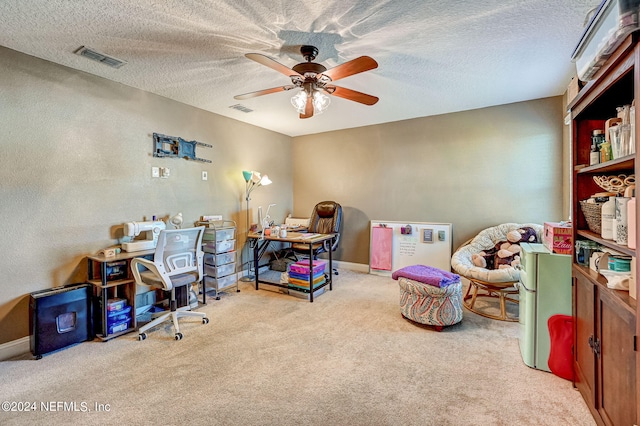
(593, 215)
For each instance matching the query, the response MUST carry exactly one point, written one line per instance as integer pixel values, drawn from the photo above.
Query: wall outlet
(204, 175)
(155, 172)
(165, 172)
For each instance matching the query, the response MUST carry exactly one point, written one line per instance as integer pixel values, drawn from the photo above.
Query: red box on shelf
(558, 237)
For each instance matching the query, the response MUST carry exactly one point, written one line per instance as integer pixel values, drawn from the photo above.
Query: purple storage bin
(302, 267)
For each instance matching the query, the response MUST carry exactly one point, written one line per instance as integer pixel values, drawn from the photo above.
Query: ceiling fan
(315, 81)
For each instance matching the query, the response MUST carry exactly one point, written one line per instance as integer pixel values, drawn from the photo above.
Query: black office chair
(326, 218)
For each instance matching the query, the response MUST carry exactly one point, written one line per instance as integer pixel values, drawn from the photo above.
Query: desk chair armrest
(327, 243)
(148, 264)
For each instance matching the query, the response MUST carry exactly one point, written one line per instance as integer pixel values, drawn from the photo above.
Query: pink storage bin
(302, 266)
(558, 237)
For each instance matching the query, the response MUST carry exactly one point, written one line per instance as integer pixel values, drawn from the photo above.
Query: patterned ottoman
(429, 295)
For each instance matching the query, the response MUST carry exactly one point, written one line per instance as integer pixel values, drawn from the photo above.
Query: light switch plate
(204, 175)
(155, 171)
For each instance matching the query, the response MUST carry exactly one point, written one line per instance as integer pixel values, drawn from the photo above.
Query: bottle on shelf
(594, 158)
(622, 112)
(607, 218)
(621, 222)
(631, 214)
(605, 152)
(597, 139)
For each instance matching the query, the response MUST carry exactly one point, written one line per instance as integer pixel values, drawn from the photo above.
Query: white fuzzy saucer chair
(483, 282)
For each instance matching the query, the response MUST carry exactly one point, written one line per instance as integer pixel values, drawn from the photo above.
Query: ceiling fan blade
(308, 108)
(267, 61)
(264, 92)
(355, 66)
(351, 95)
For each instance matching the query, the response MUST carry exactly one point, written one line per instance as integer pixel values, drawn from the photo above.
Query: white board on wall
(426, 244)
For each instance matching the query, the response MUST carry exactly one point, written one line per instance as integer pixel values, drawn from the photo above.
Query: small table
(261, 243)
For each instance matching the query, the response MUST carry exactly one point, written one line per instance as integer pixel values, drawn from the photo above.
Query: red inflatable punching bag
(560, 356)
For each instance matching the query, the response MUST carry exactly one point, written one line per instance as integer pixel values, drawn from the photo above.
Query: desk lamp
(176, 221)
(252, 180)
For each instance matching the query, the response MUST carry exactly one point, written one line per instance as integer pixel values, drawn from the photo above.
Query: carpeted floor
(267, 358)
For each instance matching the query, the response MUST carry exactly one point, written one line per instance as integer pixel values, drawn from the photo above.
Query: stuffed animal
(508, 255)
(505, 254)
(478, 260)
(526, 234)
(508, 250)
(484, 259)
(515, 261)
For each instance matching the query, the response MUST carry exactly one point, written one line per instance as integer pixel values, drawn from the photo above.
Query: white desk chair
(178, 261)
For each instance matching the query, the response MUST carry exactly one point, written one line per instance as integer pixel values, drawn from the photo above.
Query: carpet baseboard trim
(14, 348)
(359, 267)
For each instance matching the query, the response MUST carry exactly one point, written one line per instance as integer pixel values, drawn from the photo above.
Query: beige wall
(77, 155)
(473, 169)
(76, 163)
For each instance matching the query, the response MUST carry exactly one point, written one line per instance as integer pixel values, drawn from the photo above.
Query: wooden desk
(260, 245)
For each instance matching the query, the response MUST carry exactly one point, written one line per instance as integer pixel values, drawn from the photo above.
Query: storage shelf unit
(605, 320)
(219, 246)
(111, 278)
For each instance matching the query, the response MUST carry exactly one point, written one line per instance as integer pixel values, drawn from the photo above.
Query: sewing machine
(151, 229)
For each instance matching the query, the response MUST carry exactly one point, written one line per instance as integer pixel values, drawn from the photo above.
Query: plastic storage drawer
(119, 326)
(219, 259)
(219, 246)
(220, 271)
(219, 234)
(220, 283)
(114, 317)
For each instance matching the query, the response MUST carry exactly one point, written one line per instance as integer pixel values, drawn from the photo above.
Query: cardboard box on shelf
(558, 237)
(573, 89)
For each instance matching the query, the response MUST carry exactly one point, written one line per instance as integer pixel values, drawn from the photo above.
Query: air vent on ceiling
(241, 107)
(93, 54)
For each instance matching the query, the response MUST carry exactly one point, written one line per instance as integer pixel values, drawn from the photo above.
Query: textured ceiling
(434, 56)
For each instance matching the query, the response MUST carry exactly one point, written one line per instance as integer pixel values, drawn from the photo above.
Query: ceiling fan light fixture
(299, 101)
(320, 102)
